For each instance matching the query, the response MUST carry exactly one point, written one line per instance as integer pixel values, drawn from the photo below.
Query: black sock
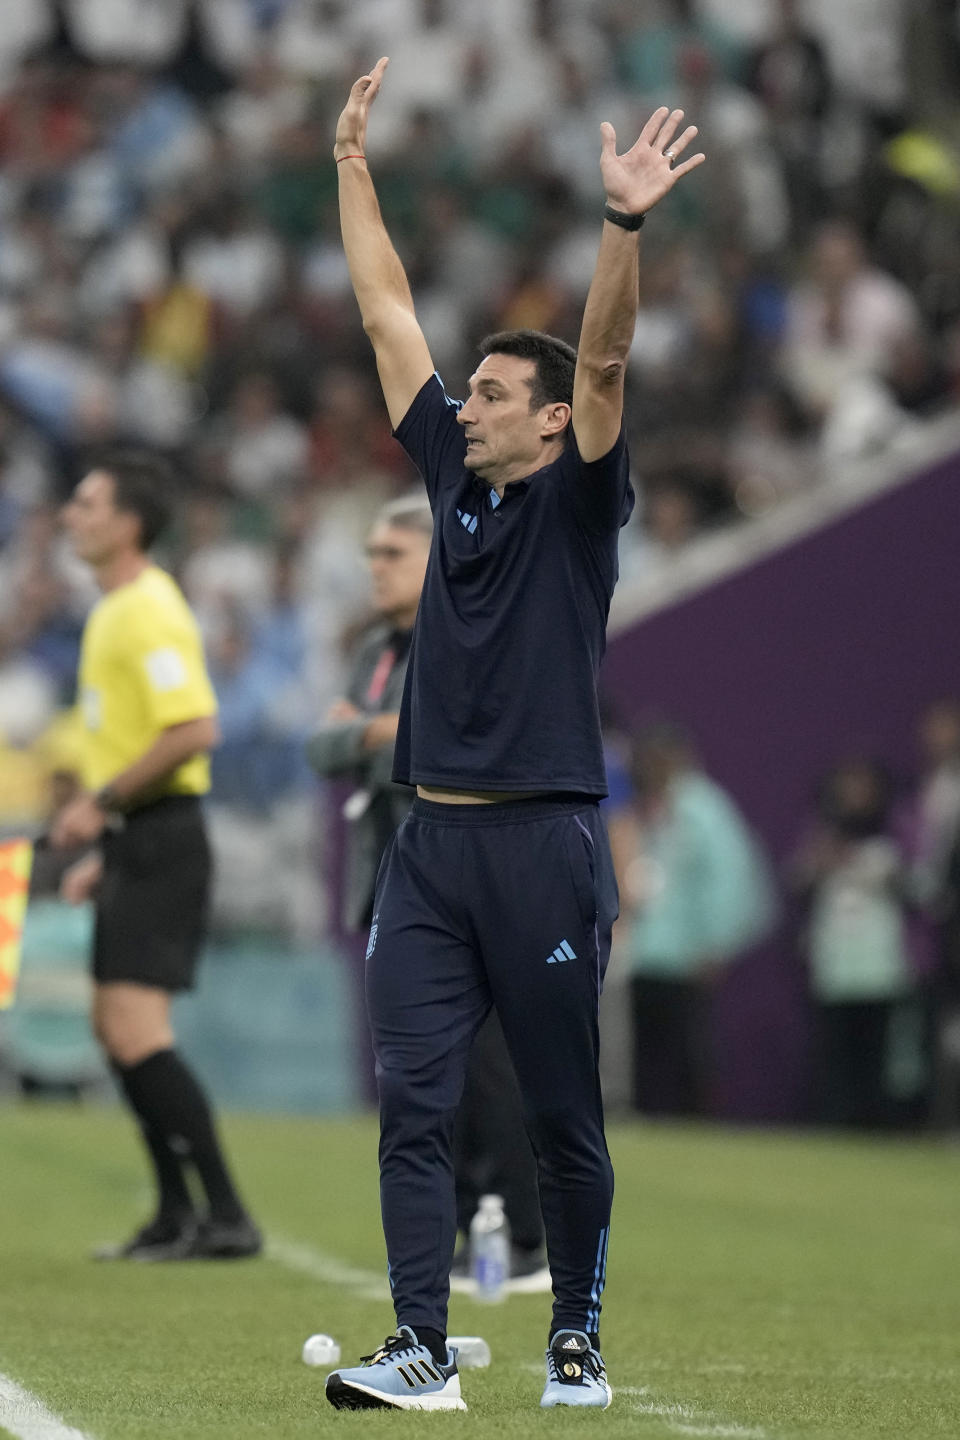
(166, 1096)
(173, 1196)
(435, 1343)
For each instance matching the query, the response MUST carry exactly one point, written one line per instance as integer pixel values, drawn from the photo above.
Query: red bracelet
(350, 157)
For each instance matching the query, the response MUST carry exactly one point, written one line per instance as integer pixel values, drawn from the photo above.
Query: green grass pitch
(761, 1287)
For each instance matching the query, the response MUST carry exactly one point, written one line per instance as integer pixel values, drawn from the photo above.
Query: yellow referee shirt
(141, 671)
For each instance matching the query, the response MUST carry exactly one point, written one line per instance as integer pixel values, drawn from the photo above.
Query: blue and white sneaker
(575, 1373)
(401, 1375)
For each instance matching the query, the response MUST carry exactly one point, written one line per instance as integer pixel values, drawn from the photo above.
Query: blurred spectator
(234, 259)
(53, 378)
(937, 877)
(219, 570)
(47, 632)
(789, 72)
(746, 198)
(39, 555)
(654, 37)
(264, 103)
(265, 448)
(428, 67)
(845, 322)
(281, 631)
(938, 802)
(138, 31)
(350, 434)
(156, 135)
(263, 719)
(357, 739)
(671, 518)
(147, 401)
(43, 124)
(853, 873)
(27, 694)
(696, 894)
(769, 457)
(27, 26)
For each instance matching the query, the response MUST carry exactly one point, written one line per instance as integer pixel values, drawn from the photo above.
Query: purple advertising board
(829, 647)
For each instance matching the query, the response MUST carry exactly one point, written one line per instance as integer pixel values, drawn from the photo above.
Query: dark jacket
(377, 805)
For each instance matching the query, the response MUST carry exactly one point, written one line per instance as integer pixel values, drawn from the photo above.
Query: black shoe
(226, 1240)
(170, 1238)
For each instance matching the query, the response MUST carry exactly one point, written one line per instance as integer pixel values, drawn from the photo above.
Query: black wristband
(621, 218)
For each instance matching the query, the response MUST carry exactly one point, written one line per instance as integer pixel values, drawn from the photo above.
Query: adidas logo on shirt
(563, 952)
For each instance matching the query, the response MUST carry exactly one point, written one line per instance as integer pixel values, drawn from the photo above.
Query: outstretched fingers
(667, 130)
(674, 149)
(367, 86)
(672, 153)
(651, 130)
(690, 164)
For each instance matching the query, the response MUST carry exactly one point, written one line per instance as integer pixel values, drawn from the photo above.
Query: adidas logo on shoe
(575, 1381)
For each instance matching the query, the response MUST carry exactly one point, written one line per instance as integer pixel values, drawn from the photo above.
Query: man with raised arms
(498, 887)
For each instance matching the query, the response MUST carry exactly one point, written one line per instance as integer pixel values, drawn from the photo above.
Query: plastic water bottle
(490, 1249)
(473, 1352)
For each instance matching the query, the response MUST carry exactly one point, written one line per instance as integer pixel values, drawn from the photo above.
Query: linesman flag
(16, 858)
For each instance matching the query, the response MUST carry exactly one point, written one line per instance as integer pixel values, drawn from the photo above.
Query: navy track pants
(511, 905)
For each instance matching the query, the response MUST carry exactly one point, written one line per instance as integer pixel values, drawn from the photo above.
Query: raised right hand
(351, 137)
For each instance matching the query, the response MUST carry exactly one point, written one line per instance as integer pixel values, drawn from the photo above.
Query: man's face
(502, 431)
(398, 563)
(97, 529)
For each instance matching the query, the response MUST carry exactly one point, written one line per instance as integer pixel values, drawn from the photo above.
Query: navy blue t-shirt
(501, 686)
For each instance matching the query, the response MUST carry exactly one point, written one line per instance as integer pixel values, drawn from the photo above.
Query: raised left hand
(636, 180)
(351, 136)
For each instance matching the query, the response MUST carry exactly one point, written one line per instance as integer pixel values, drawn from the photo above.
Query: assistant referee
(149, 719)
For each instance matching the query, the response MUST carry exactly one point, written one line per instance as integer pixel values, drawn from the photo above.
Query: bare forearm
(610, 314)
(172, 748)
(378, 277)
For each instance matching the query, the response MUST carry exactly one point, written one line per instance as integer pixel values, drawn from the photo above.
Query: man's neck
(523, 469)
(121, 569)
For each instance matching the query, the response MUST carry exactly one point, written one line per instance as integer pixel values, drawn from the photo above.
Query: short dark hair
(143, 485)
(554, 359)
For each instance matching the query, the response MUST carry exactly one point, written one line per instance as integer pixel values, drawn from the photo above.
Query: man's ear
(556, 418)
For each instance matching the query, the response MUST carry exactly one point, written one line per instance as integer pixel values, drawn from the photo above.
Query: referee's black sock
(165, 1094)
(174, 1196)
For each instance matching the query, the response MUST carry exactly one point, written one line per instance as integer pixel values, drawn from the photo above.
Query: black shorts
(152, 905)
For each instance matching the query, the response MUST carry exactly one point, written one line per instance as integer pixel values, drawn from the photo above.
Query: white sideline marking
(681, 1419)
(686, 1420)
(28, 1418)
(304, 1260)
(728, 1432)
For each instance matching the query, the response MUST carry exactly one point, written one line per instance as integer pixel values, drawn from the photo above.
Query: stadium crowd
(171, 274)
